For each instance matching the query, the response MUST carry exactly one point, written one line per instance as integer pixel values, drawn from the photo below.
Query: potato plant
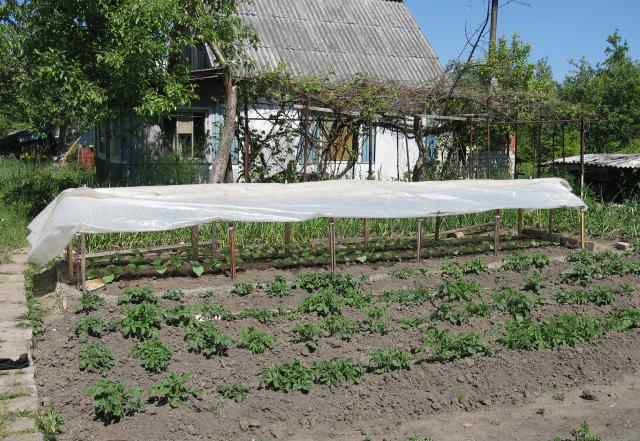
(136, 296)
(388, 360)
(446, 347)
(242, 289)
(254, 340)
(278, 288)
(89, 302)
(141, 321)
(235, 392)
(175, 294)
(203, 337)
(154, 355)
(339, 326)
(93, 326)
(323, 303)
(457, 290)
(307, 333)
(288, 377)
(407, 297)
(337, 371)
(173, 390)
(114, 401)
(96, 357)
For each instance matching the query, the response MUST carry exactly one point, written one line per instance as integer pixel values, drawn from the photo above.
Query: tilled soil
(380, 407)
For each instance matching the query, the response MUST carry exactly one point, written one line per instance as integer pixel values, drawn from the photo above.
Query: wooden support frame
(195, 240)
(70, 261)
(583, 229)
(232, 251)
(550, 225)
(365, 232)
(496, 234)
(332, 244)
(419, 241)
(214, 241)
(287, 235)
(436, 234)
(520, 222)
(83, 262)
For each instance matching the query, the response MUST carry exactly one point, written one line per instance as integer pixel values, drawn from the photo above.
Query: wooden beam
(70, 261)
(83, 262)
(365, 232)
(583, 230)
(287, 235)
(419, 242)
(436, 235)
(496, 234)
(550, 227)
(195, 234)
(520, 224)
(232, 251)
(332, 244)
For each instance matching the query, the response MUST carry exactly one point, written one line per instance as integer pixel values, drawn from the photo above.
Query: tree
(80, 62)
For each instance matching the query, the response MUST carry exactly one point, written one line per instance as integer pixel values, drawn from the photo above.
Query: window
(188, 135)
(368, 144)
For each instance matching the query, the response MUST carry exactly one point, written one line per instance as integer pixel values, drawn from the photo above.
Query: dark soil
(378, 407)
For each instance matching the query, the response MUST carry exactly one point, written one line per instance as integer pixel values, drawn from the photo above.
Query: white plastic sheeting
(135, 209)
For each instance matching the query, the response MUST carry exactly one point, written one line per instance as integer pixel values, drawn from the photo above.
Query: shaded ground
(474, 398)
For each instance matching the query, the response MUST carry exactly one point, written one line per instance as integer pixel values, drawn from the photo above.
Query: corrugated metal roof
(615, 160)
(342, 38)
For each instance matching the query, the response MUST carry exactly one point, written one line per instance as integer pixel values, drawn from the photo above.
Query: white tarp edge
(137, 209)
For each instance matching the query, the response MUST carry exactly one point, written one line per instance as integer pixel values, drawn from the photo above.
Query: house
(379, 39)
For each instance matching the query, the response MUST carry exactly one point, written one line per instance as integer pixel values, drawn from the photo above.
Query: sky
(559, 30)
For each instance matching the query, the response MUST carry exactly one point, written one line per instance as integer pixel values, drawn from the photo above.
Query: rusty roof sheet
(342, 38)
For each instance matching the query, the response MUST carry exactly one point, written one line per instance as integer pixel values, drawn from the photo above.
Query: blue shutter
(217, 124)
(431, 142)
(368, 142)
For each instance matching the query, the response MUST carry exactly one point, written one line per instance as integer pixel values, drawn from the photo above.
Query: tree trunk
(221, 164)
(418, 168)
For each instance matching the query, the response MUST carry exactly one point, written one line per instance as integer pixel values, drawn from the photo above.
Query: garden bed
(406, 340)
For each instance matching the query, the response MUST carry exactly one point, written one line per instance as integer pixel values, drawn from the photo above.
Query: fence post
(332, 244)
(419, 242)
(365, 232)
(520, 223)
(83, 262)
(287, 235)
(550, 224)
(496, 234)
(214, 242)
(195, 240)
(70, 260)
(436, 235)
(232, 250)
(583, 230)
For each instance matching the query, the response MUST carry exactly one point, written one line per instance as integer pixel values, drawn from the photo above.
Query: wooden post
(583, 230)
(582, 152)
(365, 232)
(83, 262)
(214, 241)
(436, 235)
(232, 250)
(520, 224)
(70, 261)
(496, 234)
(287, 235)
(419, 242)
(195, 240)
(550, 224)
(332, 244)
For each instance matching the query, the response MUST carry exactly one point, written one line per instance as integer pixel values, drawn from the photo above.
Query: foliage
(460, 314)
(325, 302)
(416, 296)
(448, 347)
(565, 329)
(585, 266)
(173, 390)
(582, 433)
(375, 320)
(534, 283)
(141, 321)
(113, 401)
(307, 333)
(264, 316)
(50, 423)
(235, 392)
(456, 269)
(624, 320)
(521, 263)
(181, 316)
(255, 340)
(337, 371)
(89, 302)
(598, 296)
(175, 294)
(136, 296)
(93, 326)
(205, 338)
(154, 355)
(338, 326)
(287, 377)
(412, 322)
(242, 289)
(388, 360)
(355, 297)
(278, 288)
(96, 357)
(519, 305)
(457, 290)
(339, 282)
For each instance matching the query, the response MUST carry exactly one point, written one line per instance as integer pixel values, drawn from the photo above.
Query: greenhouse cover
(139, 209)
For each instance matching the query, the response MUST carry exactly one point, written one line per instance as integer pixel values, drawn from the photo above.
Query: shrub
(96, 357)
(278, 288)
(340, 283)
(136, 296)
(93, 326)
(89, 302)
(173, 390)
(255, 340)
(524, 262)
(287, 377)
(457, 290)
(175, 294)
(205, 338)
(141, 321)
(242, 289)
(416, 296)
(388, 360)
(336, 371)
(325, 302)
(307, 333)
(338, 326)
(180, 316)
(518, 304)
(154, 354)
(235, 392)
(448, 347)
(113, 401)
(566, 329)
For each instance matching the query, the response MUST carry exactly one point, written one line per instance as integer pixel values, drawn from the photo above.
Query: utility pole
(494, 23)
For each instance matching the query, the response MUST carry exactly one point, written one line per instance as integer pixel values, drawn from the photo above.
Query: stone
(588, 395)
(623, 246)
